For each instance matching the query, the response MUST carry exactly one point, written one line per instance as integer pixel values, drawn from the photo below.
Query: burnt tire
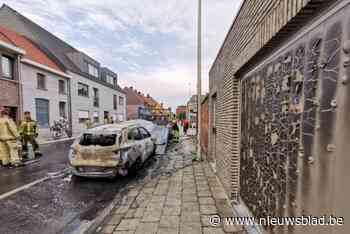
(135, 167)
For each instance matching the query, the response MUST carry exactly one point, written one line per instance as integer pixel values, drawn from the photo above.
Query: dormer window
(93, 71)
(110, 79)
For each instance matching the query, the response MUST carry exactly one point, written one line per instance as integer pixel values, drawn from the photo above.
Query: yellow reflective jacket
(28, 128)
(8, 129)
(88, 124)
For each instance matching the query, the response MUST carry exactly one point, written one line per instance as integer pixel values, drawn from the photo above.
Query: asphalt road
(54, 159)
(62, 204)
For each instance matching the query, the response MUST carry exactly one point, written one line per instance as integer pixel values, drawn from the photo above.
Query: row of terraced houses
(42, 74)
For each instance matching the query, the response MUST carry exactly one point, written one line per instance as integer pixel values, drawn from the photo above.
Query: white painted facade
(31, 93)
(84, 105)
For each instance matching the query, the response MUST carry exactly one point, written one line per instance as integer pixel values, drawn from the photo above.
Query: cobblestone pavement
(180, 200)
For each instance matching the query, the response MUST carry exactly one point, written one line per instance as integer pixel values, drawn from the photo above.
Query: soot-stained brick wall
(284, 104)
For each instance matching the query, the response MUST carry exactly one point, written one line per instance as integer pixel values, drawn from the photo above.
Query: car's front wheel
(136, 166)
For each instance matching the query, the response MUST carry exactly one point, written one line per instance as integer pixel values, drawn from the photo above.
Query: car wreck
(112, 149)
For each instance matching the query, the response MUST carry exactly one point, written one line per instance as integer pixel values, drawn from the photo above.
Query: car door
(149, 145)
(138, 146)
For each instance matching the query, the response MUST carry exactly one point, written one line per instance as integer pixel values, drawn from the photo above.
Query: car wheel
(136, 166)
(154, 150)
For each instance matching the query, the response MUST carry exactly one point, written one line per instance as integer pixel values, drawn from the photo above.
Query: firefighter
(29, 132)
(110, 120)
(88, 123)
(186, 125)
(8, 140)
(176, 131)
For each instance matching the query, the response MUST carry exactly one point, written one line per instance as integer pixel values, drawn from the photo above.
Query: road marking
(24, 187)
(51, 175)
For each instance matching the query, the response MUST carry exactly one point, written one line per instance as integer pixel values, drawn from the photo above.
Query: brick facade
(204, 125)
(278, 118)
(10, 89)
(257, 26)
(181, 109)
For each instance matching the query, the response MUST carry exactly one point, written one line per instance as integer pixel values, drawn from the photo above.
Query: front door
(42, 112)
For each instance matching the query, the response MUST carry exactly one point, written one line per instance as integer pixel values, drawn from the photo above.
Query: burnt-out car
(109, 150)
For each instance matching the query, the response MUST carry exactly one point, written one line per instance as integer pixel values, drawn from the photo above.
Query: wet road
(54, 159)
(59, 205)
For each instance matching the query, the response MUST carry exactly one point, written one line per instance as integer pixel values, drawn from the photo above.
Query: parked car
(112, 149)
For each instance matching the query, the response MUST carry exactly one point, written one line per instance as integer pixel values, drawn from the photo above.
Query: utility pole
(199, 80)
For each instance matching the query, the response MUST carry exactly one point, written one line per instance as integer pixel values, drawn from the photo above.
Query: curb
(92, 226)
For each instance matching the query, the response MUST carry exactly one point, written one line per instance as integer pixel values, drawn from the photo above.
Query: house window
(61, 87)
(83, 90)
(7, 67)
(83, 116)
(114, 102)
(121, 100)
(41, 81)
(115, 82)
(96, 116)
(96, 98)
(110, 79)
(62, 109)
(93, 71)
(42, 112)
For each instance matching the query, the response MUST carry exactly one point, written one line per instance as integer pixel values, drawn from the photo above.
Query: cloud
(150, 43)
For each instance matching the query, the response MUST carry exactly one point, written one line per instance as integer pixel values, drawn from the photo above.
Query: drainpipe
(20, 87)
(70, 119)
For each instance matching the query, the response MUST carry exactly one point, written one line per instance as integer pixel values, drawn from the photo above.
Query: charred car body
(109, 150)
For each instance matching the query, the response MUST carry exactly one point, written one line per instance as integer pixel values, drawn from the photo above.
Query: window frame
(46, 125)
(94, 117)
(133, 137)
(92, 70)
(83, 120)
(65, 109)
(60, 91)
(43, 77)
(88, 90)
(115, 102)
(148, 134)
(121, 101)
(110, 79)
(96, 97)
(11, 67)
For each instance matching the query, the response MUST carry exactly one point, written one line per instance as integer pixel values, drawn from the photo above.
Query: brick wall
(256, 26)
(132, 111)
(204, 125)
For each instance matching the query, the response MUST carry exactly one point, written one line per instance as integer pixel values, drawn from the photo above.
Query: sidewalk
(180, 200)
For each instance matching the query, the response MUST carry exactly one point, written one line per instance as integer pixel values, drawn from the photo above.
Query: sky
(150, 44)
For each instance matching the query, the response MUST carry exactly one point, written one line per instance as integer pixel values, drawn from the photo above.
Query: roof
(32, 51)
(132, 97)
(58, 47)
(58, 50)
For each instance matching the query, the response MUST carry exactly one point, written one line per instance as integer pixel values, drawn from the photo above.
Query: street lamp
(199, 79)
